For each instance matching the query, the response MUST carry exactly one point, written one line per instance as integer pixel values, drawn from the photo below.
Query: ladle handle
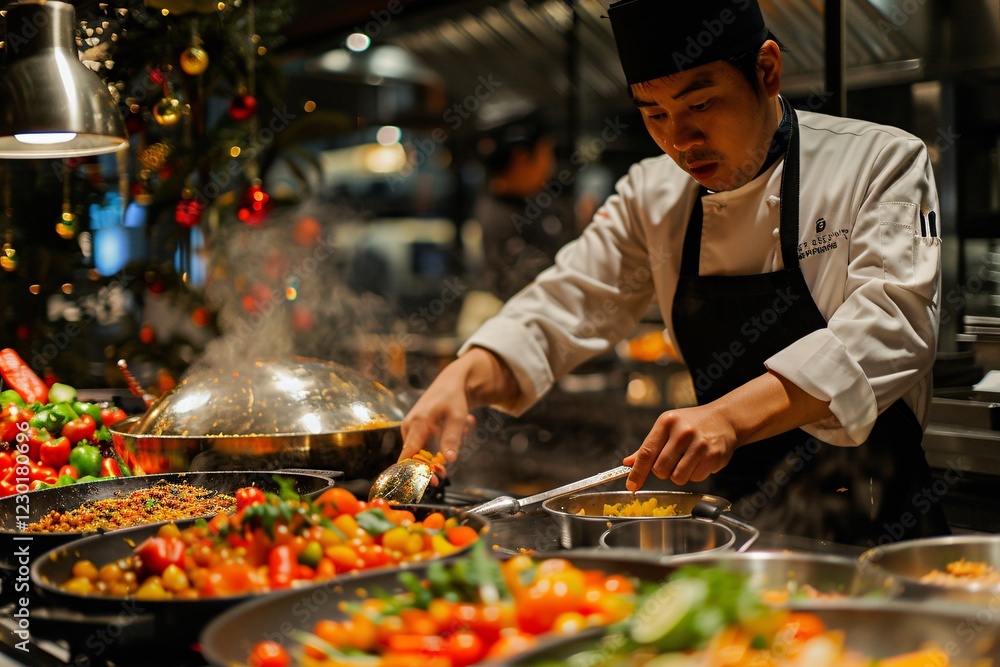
(507, 506)
(501, 506)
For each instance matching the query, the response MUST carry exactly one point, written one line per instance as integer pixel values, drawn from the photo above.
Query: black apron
(726, 327)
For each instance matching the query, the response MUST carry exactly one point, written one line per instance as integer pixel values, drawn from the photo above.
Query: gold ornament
(8, 258)
(194, 60)
(167, 111)
(66, 227)
(155, 156)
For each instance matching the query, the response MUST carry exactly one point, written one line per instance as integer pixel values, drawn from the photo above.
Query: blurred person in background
(523, 225)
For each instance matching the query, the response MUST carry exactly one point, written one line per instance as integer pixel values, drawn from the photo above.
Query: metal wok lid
(272, 397)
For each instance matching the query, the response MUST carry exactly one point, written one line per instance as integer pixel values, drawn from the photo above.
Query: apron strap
(789, 193)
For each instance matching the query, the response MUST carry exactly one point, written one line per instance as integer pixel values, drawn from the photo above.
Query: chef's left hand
(685, 445)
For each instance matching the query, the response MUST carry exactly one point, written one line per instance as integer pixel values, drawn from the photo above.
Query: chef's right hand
(442, 415)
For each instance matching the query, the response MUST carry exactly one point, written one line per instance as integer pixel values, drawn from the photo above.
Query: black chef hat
(658, 38)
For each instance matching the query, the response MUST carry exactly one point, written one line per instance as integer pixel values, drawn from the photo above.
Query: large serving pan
(273, 413)
(163, 630)
(31, 507)
(874, 628)
(905, 563)
(228, 639)
(791, 572)
(585, 530)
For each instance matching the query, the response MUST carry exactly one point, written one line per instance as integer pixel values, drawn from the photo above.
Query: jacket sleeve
(591, 298)
(882, 340)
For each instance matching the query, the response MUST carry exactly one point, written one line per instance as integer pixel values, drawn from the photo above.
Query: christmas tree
(105, 258)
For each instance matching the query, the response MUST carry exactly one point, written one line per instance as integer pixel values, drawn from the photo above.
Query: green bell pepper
(10, 397)
(65, 412)
(86, 459)
(92, 409)
(47, 420)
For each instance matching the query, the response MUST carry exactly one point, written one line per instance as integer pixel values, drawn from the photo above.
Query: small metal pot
(280, 413)
(584, 530)
(903, 564)
(670, 537)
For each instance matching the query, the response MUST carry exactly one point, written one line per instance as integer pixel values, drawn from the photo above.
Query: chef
(796, 260)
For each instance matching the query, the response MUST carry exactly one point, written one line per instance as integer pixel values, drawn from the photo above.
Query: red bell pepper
(157, 553)
(82, 428)
(21, 378)
(55, 453)
(282, 566)
(111, 416)
(110, 467)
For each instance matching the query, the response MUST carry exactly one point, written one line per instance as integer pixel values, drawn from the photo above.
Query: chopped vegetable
(21, 378)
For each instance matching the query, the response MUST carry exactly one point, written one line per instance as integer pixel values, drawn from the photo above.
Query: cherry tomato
(268, 654)
(804, 625)
(6, 460)
(159, 552)
(461, 536)
(249, 495)
(338, 501)
(464, 648)
(69, 470)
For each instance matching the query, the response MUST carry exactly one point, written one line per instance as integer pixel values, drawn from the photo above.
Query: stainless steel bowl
(905, 563)
(267, 414)
(669, 538)
(584, 530)
(799, 574)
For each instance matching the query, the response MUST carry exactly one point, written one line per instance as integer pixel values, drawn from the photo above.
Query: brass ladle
(403, 482)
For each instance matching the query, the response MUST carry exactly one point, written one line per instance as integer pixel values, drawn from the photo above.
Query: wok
(39, 503)
(296, 412)
(157, 630)
(227, 640)
(585, 530)
(875, 628)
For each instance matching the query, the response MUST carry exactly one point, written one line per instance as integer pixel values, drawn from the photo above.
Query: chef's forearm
(488, 379)
(767, 406)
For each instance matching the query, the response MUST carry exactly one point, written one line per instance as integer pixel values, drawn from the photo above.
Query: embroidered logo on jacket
(820, 225)
(822, 242)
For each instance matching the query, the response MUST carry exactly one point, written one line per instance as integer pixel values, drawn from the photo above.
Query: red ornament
(307, 231)
(242, 107)
(302, 319)
(254, 205)
(188, 212)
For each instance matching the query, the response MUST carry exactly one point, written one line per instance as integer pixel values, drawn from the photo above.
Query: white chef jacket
(869, 250)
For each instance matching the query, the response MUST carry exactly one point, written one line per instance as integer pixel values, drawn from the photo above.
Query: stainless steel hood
(561, 53)
(523, 45)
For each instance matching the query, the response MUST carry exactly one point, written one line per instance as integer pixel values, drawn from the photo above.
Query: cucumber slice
(667, 617)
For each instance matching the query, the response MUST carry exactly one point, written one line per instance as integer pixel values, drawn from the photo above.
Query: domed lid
(272, 397)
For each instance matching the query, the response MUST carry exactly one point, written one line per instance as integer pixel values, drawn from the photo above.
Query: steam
(282, 289)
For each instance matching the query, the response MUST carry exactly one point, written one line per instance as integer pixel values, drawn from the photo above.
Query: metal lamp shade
(45, 90)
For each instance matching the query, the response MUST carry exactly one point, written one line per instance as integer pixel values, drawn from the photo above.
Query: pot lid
(272, 397)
